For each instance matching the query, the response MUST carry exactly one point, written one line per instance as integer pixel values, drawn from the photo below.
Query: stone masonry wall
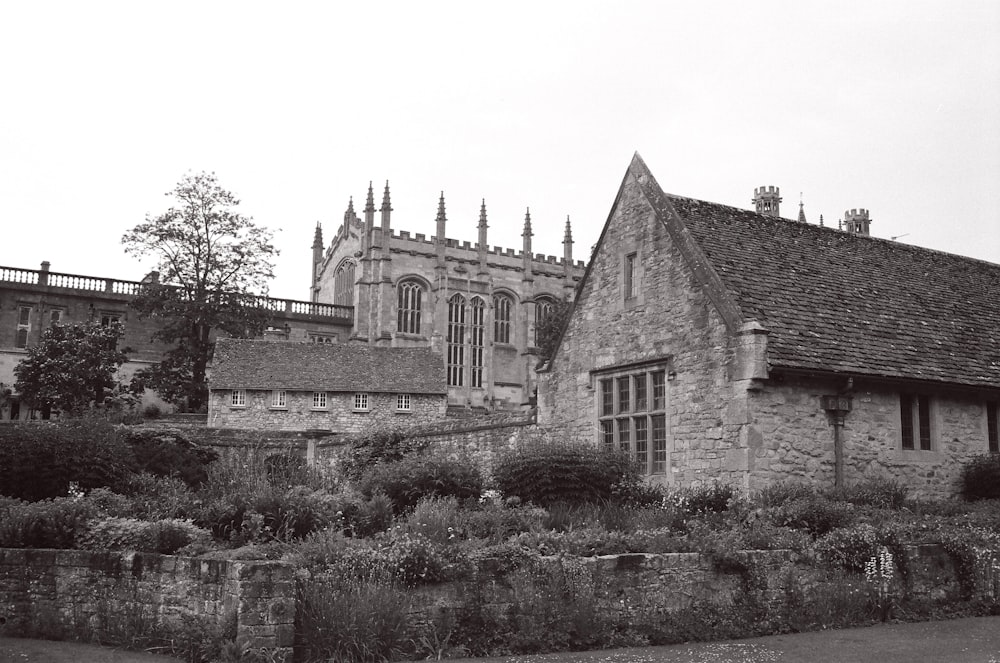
(791, 437)
(75, 593)
(339, 416)
(670, 318)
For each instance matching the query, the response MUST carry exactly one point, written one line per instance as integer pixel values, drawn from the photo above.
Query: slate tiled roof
(853, 304)
(246, 364)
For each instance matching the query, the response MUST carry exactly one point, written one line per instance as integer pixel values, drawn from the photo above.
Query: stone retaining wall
(76, 593)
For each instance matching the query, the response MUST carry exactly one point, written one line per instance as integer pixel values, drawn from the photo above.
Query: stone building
(477, 304)
(268, 385)
(32, 300)
(715, 343)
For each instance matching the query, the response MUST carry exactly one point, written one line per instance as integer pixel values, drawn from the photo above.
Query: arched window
(478, 329)
(544, 306)
(343, 284)
(456, 340)
(410, 295)
(502, 308)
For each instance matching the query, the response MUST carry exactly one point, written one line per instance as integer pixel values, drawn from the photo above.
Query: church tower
(766, 200)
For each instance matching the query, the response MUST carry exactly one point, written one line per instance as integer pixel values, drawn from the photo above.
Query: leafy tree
(549, 329)
(212, 261)
(72, 368)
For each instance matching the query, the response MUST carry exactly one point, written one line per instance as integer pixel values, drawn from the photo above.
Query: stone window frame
(545, 306)
(23, 328)
(455, 340)
(320, 400)
(992, 427)
(643, 433)
(503, 317)
(362, 401)
(343, 283)
(917, 422)
(279, 399)
(404, 403)
(238, 398)
(477, 342)
(409, 303)
(110, 317)
(322, 339)
(56, 316)
(631, 276)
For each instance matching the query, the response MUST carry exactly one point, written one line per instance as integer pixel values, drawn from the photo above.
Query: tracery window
(544, 308)
(456, 340)
(502, 307)
(478, 333)
(410, 294)
(343, 284)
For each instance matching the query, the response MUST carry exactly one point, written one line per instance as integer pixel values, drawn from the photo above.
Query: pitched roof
(248, 364)
(845, 303)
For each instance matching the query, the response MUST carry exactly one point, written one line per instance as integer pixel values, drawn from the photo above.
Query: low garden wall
(76, 594)
(88, 595)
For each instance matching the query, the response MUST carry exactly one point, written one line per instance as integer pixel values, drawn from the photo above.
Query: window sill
(404, 411)
(319, 409)
(279, 408)
(410, 336)
(919, 456)
(360, 411)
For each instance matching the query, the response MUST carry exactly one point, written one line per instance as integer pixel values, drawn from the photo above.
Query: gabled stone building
(283, 385)
(715, 343)
(478, 305)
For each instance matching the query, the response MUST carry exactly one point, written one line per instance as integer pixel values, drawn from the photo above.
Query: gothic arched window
(456, 340)
(478, 340)
(502, 308)
(544, 307)
(410, 295)
(343, 284)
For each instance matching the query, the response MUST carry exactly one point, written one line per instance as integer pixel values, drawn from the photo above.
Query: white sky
(890, 106)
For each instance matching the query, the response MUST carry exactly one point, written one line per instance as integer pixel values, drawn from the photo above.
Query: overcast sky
(889, 106)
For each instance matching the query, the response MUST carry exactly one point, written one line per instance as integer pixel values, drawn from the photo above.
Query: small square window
(279, 398)
(107, 319)
(55, 317)
(319, 400)
(361, 402)
(238, 398)
(403, 402)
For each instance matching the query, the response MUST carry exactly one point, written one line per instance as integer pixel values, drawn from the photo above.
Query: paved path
(971, 640)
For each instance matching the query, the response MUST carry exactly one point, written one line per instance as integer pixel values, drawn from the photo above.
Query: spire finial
(318, 236)
(802, 214)
(385, 198)
(527, 223)
(441, 214)
(568, 237)
(370, 203)
(482, 215)
(350, 205)
(820, 220)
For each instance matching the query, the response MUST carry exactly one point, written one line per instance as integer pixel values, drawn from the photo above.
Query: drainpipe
(837, 407)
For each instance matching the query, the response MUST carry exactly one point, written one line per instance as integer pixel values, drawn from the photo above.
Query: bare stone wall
(672, 318)
(791, 437)
(74, 593)
(338, 417)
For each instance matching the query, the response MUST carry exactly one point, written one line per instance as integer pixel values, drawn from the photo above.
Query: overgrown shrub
(414, 477)
(701, 500)
(169, 453)
(53, 523)
(548, 472)
(379, 445)
(782, 492)
(41, 460)
(981, 478)
(154, 497)
(351, 620)
(161, 536)
(849, 547)
(880, 492)
(816, 515)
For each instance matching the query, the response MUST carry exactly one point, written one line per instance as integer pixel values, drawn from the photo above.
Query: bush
(168, 453)
(816, 515)
(51, 523)
(981, 478)
(161, 536)
(39, 461)
(352, 620)
(545, 473)
(850, 547)
(879, 492)
(154, 497)
(782, 492)
(414, 477)
(701, 500)
(382, 445)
